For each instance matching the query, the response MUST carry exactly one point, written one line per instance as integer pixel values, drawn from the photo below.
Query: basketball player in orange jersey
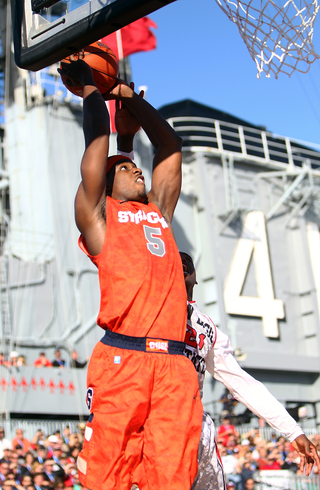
(143, 393)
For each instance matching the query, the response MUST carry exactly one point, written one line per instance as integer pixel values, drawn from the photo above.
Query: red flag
(51, 385)
(132, 38)
(4, 384)
(24, 383)
(61, 386)
(14, 383)
(71, 387)
(34, 383)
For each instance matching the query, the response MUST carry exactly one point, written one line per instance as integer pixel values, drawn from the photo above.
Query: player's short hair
(115, 160)
(185, 253)
(110, 171)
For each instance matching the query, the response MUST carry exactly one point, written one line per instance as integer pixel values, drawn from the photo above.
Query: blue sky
(200, 55)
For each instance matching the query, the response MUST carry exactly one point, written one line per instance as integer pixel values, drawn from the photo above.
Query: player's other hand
(77, 72)
(119, 91)
(308, 454)
(126, 123)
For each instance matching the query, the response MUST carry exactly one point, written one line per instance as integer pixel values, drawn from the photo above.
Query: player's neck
(190, 294)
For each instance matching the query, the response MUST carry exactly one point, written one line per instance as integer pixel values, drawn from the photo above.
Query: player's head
(125, 181)
(189, 273)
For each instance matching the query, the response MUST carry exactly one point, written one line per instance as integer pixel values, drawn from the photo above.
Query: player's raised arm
(127, 127)
(166, 177)
(96, 128)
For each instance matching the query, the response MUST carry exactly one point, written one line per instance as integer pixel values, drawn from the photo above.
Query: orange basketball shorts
(145, 411)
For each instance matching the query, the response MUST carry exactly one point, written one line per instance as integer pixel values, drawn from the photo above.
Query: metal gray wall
(288, 365)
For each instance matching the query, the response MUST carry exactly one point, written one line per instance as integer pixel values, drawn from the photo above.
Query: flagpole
(122, 61)
(119, 44)
(111, 104)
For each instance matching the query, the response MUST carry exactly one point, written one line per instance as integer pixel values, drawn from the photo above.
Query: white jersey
(200, 339)
(210, 349)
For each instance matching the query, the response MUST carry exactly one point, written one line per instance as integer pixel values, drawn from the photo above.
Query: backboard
(46, 31)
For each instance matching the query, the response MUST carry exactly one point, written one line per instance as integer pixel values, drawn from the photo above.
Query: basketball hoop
(279, 39)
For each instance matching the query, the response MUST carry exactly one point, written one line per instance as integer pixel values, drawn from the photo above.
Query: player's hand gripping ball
(104, 65)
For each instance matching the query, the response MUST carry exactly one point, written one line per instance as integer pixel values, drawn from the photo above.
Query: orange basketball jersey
(141, 278)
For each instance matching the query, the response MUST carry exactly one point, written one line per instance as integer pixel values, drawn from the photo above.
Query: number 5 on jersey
(154, 244)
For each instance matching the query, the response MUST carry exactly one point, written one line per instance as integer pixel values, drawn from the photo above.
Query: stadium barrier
(49, 427)
(285, 480)
(30, 427)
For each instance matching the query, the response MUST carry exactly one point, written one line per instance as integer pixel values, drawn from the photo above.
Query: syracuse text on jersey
(151, 217)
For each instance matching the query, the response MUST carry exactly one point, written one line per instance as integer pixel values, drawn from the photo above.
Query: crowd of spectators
(42, 463)
(49, 462)
(242, 457)
(17, 360)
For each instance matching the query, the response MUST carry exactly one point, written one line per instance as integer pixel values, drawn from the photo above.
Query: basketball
(104, 65)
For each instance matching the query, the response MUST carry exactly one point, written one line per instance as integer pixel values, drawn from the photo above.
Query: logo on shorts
(156, 345)
(117, 359)
(89, 397)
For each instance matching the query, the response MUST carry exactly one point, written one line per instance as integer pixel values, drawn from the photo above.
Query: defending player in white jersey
(210, 349)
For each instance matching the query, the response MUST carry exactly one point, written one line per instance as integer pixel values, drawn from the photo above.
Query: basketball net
(279, 39)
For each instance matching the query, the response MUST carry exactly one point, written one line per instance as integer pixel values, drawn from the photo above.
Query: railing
(47, 84)
(30, 427)
(199, 133)
(246, 143)
(265, 432)
(285, 480)
(48, 427)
